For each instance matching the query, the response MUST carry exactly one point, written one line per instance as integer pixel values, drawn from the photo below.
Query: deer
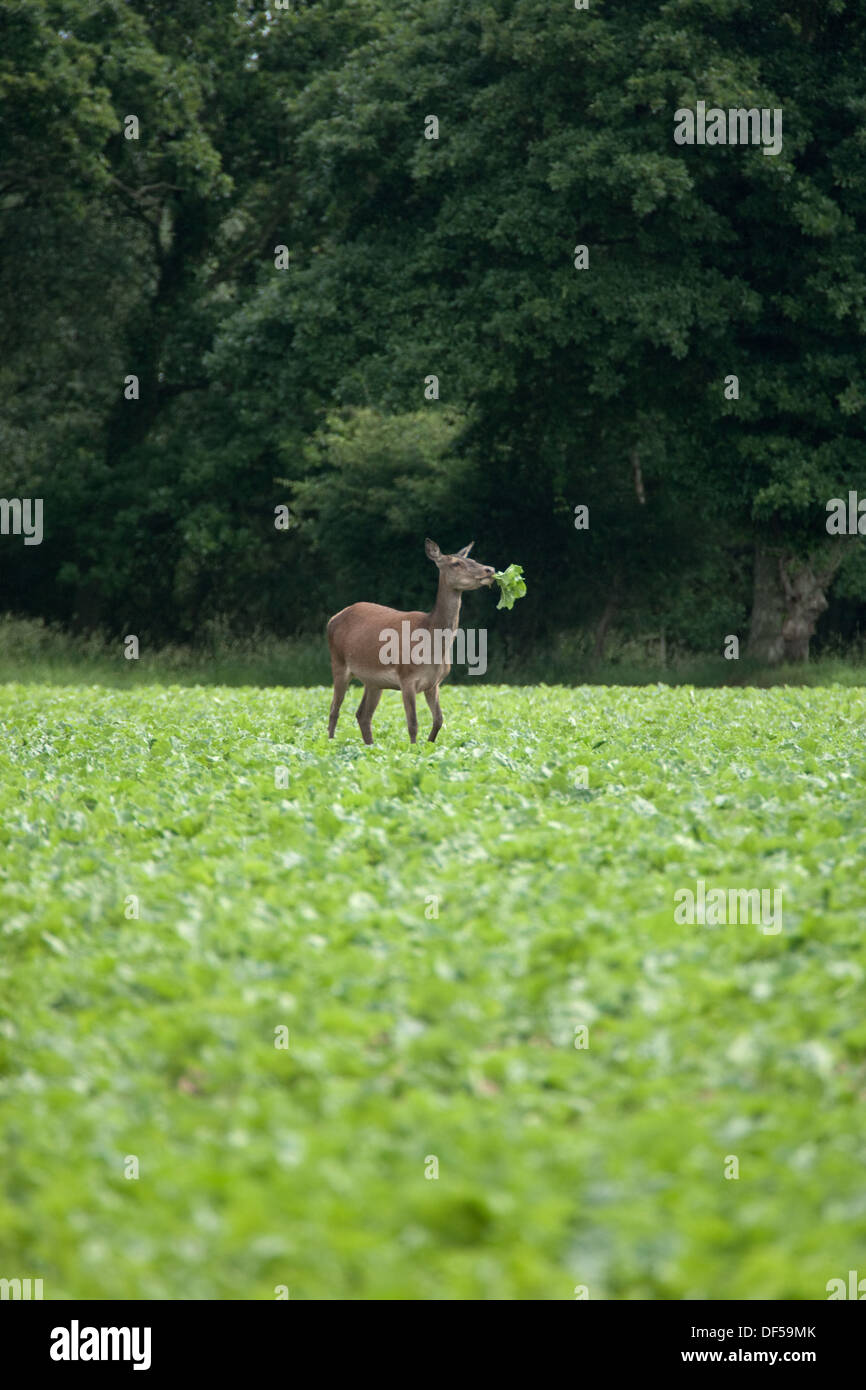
(357, 641)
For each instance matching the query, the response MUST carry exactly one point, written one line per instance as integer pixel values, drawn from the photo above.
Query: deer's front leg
(411, 713)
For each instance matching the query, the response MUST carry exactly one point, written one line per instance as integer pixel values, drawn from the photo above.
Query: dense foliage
(302, 379)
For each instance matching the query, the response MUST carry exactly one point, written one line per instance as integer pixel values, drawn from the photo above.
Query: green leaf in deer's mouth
(512, 585)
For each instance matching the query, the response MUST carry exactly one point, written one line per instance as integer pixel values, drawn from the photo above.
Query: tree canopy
(433, 268)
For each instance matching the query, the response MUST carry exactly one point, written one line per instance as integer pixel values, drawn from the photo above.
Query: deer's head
(458, 571)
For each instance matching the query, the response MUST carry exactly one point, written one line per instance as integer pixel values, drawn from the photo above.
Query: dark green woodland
(262, 332)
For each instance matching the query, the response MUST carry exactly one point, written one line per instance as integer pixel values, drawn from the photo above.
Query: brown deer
(357, 637)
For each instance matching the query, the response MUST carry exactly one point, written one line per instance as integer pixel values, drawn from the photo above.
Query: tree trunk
(788, 599)
(602, 629)
(768, 609)
(130, 422)
(804, 603)
(637, 475)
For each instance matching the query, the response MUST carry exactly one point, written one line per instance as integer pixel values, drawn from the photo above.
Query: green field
(413, 1036)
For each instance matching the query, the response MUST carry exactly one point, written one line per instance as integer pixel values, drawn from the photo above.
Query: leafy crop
(431, 925)
(512, 584)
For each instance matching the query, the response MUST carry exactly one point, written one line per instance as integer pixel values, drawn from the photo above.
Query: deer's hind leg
(432, 697)
(342, 676)
(367, 708)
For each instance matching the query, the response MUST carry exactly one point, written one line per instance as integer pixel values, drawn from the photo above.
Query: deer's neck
(446, 609)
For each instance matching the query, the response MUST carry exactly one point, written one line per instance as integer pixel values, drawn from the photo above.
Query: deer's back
(365, 621)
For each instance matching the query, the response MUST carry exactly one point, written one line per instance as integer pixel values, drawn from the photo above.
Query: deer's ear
(432, 550)
(465, 551)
